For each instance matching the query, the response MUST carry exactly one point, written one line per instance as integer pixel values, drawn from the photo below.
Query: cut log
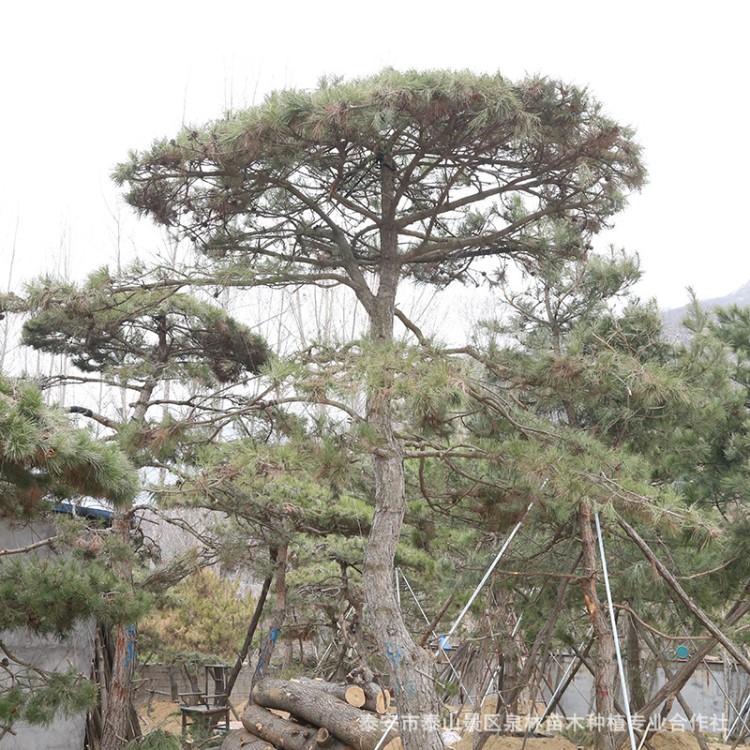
(283, 733)
(377, 699)
(324, 739)
(354, 695)
(239, 739)
(360, 729)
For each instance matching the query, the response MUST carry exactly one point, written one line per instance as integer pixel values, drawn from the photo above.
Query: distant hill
(673, 328)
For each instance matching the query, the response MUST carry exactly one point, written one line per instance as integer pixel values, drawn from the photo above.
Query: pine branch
(49, 542)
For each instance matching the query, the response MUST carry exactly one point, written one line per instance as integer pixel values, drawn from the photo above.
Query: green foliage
(37, 699)
(309, 164)
(118, 324)
(156, 740)
(42, 456)
(48, 596)
(202, 615)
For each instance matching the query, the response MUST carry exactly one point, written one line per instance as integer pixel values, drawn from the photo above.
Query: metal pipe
(488, 573)
(623, 683)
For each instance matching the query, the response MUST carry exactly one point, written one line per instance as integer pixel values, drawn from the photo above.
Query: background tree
(371, 183)
(43, 459)
(171, 353)
(602, 376)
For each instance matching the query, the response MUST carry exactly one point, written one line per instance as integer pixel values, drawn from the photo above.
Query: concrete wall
(161, 683)
(715, 690)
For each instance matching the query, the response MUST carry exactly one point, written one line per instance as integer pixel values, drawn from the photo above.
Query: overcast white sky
(82, 83)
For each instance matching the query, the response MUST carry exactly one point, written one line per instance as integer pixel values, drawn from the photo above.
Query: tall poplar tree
(372, 184)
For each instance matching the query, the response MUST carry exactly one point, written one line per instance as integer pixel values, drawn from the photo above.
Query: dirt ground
(165, 715)
(659, 741)
(682, 741)
(515, 743)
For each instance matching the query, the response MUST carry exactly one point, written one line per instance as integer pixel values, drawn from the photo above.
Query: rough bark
(605, 647)
(377, 699)
(411, 667)
(367, 695)
(359, 729)
(324, 739)
(354, 695)
(635, 672)
(284, 734)
(240, 739)
(118, 727)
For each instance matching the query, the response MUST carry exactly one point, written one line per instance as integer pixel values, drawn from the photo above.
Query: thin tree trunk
(689, 713)
(435, 622)
(266, 651)
(635, 673)
(684, 597)
(118, 728)
(251, 628)
(605, 646)
(680, 678)
(542, 638)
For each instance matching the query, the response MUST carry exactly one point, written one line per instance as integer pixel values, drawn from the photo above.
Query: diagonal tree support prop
(669, 675)
(740, 608)
(674, 584)
(251, 628)
(621, 668)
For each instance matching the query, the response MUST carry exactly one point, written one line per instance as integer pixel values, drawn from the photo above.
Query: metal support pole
(562, 685)
(739, 717)
(623, 683)
(427, 620)
(489, 572)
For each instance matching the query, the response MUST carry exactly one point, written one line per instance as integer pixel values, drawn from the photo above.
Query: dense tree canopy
(43, 458)
(438, 167)
(400, 176)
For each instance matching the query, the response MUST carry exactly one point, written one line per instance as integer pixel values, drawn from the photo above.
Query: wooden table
(206, 716)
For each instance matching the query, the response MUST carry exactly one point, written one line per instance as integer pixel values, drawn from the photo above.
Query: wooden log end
(355, 696)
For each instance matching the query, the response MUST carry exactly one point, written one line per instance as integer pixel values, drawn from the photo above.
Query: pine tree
(121, 332)
(43, 460)
(372, 183)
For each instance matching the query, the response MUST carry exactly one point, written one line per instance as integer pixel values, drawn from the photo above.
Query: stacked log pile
(305, 714)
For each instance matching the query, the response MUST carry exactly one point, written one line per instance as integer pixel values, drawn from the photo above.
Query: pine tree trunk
(635, 671)
(411, 667)
(118, 729)
(605, 645)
